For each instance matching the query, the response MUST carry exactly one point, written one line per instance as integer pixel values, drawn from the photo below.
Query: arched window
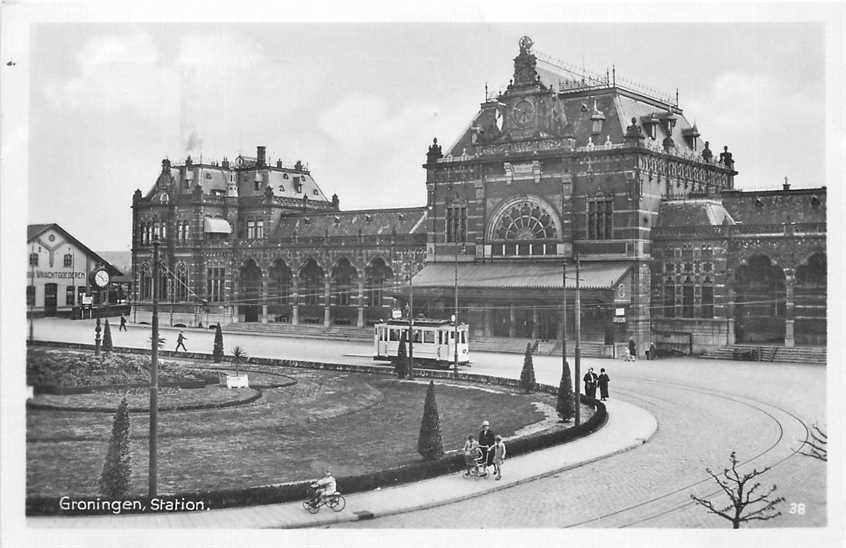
(524, 227)
(181, 282)
(146, 285)
(707, 298)
(377, 275)
(187, 234)
(669, 299)
(311, 282)
(68, 260)
(687, 298)
(343, 278)
(280, 283)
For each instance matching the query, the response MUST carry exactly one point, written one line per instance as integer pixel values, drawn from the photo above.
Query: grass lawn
(350, 422)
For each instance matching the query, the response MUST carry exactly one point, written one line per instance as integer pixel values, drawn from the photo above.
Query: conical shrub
(217, 349)
(107, 338)
(566, 402)
(117, 468)
(527, 375)
(430, 444)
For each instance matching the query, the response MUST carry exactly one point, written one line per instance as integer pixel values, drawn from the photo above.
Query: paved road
(705, 410)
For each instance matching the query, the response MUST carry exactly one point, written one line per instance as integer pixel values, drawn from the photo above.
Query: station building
(554, 173)
(61, 272)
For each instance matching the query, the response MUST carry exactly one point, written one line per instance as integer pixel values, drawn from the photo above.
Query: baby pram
(479, 468)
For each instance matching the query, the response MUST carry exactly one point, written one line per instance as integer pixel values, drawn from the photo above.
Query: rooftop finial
(526, 44)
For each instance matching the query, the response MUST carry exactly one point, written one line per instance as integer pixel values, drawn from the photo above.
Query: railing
(730, 230)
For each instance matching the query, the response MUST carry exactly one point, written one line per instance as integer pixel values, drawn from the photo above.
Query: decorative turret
(707, 155)
(136, 196)
(525, 71)
(634, 134)
(336, 202)
(166, 166)
(434, 153)
(726, 158)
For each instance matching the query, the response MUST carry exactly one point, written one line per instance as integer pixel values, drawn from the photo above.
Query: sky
(360, 103)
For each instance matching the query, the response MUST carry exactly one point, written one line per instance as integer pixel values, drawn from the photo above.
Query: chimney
(786, 185)
(260, 156)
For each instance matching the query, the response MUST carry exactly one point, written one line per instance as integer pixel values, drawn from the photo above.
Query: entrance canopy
(604, 275)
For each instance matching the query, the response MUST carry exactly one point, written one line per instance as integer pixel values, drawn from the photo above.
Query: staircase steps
(815, 355)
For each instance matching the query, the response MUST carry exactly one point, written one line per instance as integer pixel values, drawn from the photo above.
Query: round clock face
(101, 278)
(523, 112)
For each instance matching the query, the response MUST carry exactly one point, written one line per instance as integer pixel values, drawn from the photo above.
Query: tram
(434, 341)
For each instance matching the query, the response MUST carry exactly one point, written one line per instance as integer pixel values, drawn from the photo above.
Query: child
(499, 456)
(471, 452)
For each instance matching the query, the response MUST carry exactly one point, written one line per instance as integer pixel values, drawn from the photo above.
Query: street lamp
(578, 354)
(411, 320)
(154, 378)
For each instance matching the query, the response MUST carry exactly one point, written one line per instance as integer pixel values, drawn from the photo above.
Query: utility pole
(411, 320)
(154, 379)
(455, 292)
(578, 356)
(564, 365)
(31, 302)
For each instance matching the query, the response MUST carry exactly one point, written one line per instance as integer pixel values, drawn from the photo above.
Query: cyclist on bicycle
(325, 487)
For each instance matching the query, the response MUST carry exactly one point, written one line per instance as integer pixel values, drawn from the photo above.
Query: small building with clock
(63, 273)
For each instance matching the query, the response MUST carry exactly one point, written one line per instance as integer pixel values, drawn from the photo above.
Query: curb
(494, 489)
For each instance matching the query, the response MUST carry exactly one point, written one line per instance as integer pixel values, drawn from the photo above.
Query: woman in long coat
(603, 384)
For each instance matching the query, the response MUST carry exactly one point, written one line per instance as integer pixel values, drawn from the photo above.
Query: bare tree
(734, 484)
(818, 448)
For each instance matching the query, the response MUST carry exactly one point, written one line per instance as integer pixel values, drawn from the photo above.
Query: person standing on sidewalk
(590, 384)
(498, 456)
(122, 323)
(603, 384)
(486, 441)
(180, 341)
(632, 348)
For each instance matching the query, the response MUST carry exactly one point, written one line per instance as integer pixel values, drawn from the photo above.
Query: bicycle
(336, 502)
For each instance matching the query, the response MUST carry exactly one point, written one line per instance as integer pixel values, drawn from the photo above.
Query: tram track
(736, 398)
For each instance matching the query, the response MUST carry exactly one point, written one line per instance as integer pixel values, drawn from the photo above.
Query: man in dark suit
(486, 441)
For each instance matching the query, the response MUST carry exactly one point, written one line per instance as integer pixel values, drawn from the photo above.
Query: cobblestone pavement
(705, 409)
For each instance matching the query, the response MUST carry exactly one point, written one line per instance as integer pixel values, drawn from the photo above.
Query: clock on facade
(101, 278)
(523, 112)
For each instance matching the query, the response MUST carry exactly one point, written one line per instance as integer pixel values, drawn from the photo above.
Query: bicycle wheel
(312, 508)
(337, 503)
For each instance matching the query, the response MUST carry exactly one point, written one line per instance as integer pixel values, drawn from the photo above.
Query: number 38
(797, 508)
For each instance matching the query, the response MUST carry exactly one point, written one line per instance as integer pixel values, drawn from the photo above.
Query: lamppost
(411, 319)
(455, 317)
(31, 301)
(154, 378)
(578, 354)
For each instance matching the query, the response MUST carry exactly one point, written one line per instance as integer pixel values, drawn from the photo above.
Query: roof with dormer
(568, 109)
(693, 212)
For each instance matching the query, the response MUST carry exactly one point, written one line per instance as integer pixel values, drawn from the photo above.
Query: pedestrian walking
(498, 456)
(603, 381)
(486, 441)
(122, 323)
(180, 341)
(632, 349)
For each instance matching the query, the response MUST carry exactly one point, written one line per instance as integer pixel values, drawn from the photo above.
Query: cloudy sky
(360, 102)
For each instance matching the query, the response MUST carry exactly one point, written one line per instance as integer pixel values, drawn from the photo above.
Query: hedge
(274, 494)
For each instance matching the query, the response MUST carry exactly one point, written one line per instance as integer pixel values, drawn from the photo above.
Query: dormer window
(650, 126)
(597, 120)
